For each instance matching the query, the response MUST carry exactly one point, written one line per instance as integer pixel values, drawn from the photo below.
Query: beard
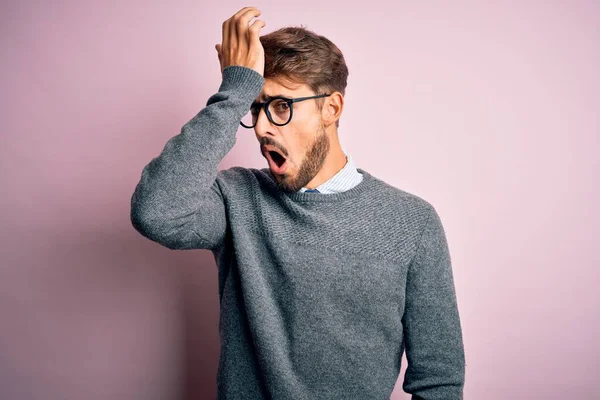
(311, 164)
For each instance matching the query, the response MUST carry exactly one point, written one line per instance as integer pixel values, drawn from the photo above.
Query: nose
(262, 122)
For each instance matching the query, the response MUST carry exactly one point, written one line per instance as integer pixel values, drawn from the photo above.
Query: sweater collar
(344, 179)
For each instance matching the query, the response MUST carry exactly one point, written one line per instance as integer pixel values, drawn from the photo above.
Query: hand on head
(241, 44)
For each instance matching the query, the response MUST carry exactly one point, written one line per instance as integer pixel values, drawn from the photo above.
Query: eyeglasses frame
(265, 105)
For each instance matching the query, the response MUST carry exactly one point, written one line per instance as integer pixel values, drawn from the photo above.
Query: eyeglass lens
(278, 108)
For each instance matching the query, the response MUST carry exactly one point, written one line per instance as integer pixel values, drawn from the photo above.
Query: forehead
(272, 88)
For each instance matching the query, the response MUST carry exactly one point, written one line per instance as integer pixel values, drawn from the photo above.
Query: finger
(217, 47)
(230, 28)
(241, 12)
(240, 26)
(226, 42)
(254, 30)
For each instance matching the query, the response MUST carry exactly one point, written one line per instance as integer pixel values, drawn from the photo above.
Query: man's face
(303, 141)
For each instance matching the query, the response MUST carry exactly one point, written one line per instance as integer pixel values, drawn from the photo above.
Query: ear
(332, 108)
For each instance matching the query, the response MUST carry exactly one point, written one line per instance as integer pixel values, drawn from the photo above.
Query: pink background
(488, 110)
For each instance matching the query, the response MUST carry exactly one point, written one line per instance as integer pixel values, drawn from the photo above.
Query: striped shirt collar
(345, 179)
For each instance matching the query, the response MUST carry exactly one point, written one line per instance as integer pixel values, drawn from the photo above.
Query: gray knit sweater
(320, 294)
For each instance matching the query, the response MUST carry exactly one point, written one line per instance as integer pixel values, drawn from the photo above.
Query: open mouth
(278, 158)
(277, 162)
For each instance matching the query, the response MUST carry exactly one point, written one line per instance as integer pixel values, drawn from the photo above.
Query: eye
(282, 106)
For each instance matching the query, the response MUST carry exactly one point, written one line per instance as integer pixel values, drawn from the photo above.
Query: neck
(334, 162)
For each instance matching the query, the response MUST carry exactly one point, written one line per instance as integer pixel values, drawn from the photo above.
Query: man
(326, 273)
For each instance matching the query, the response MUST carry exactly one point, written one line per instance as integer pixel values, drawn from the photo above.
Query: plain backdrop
(488, 110)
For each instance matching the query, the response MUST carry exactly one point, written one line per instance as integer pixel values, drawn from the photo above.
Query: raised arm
(432, 329)
(178, 201)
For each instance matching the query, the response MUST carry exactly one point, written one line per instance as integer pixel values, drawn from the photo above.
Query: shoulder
(414, 215)
(403, 201)
(416, 218)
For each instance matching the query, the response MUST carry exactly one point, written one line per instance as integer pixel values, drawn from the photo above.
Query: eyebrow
(268, 97)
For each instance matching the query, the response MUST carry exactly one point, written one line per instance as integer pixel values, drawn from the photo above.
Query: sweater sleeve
(432, 329)
(178, 201)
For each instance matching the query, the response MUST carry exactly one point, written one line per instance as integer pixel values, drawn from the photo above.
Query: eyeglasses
(279, 110)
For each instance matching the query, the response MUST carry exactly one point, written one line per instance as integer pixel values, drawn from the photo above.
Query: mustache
(264, 143)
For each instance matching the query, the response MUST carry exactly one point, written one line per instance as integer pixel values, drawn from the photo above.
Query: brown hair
(301, 56)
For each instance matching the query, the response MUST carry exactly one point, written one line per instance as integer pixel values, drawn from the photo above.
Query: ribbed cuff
(241, 79)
